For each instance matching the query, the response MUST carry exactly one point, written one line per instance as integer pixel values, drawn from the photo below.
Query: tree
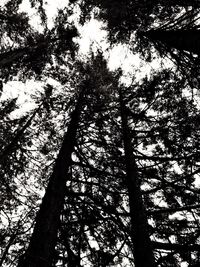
(149, 130)
(31, 51)
(160, 128)
(43, 239)
(140, 235)
(182, 47)
(180, 39)
(18, 141)
(124, 18)
(153, 167)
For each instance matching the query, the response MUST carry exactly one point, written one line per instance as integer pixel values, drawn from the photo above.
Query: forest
(100, 166)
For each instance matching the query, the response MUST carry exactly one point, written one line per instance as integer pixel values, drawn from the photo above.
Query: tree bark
(142, 249)
(173, 210)
(43, 241)
(176, 247)
(188, 40)
(183, 3)
(14, 55)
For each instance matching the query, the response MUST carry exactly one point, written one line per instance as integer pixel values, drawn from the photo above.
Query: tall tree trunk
(142, 249)
(43, 241)
(188, 40)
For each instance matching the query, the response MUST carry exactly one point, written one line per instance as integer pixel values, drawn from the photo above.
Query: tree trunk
(43, 241)
(188, 40)
(183, 3)
(142, 249)
(176, 247)
(14, 55)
